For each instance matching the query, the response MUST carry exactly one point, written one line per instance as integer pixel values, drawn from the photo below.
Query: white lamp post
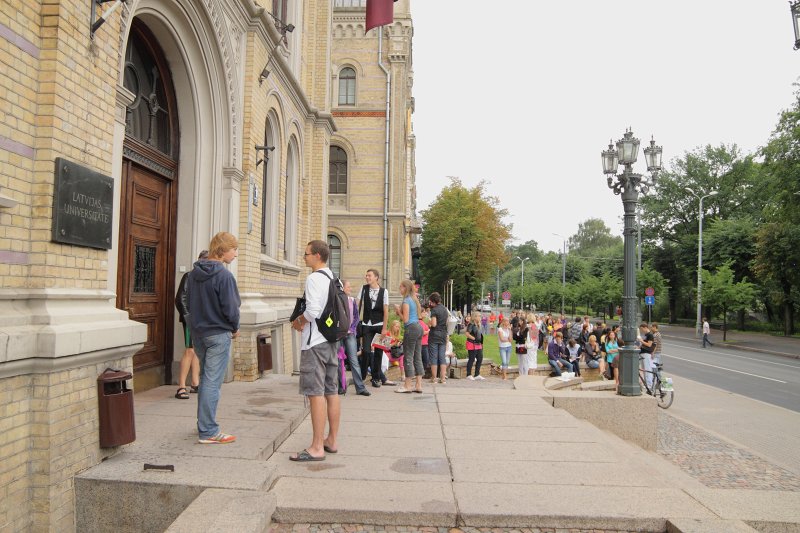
(563, 270)
(698, 324)
(522, 283)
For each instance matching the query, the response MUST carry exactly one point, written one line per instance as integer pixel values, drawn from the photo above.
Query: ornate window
(347, 86)
(147, 118)
(335, 260)
(337, 179)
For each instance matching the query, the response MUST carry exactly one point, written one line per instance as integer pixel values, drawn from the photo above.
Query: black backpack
(334, 322)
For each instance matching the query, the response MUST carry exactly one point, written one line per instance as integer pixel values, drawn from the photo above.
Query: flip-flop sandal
(182, 394)
(194, 390)
(418, 391)
(328, 449)
(304, 457)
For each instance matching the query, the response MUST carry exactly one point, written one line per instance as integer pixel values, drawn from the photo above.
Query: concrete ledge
(632, 418)
(600, 385)
(559, 383)
(346, 501)
(119, 496)
(690, 525)
(227, 510)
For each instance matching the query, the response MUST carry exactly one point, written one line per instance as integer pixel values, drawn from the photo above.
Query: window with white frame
(290, 206)
(347, 86)
(337, 177)
(335, 259)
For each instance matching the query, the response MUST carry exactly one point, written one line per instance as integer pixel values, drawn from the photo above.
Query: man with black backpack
(319, 325)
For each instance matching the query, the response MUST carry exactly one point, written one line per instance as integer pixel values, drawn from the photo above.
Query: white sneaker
(470, 378)
(480, 378)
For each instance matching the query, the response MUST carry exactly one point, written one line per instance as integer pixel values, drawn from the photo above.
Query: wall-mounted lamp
(263, 148)
(264, 75)
(282, 26)
(95, 24)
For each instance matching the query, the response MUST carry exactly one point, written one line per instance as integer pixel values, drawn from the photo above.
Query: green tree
(721, 291)
(777, 261)
(592, 234)
(463, 238)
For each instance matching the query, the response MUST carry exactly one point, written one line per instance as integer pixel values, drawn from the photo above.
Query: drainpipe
(386, 163)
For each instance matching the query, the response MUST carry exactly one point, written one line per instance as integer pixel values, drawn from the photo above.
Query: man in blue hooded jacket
(214, 320)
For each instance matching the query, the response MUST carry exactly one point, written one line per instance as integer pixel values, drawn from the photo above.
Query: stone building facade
(161, 110)
(372, 195)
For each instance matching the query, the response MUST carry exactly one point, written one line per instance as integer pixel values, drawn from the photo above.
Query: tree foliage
(592, 235)
(721, 291)
(463, 238)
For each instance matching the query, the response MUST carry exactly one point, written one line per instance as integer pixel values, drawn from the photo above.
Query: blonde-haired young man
(214, 320)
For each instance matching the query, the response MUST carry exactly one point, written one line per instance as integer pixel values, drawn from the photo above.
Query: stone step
(223, 510)
(119, 496)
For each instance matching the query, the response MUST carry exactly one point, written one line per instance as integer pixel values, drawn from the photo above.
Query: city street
(769, 378)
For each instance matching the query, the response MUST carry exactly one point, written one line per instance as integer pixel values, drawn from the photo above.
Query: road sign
(649, 300)
(506, 295)
(650, 291)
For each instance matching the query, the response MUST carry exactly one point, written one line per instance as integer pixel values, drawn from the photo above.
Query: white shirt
(706, 328)
(317, 286)
(505, 335)
(373, 296)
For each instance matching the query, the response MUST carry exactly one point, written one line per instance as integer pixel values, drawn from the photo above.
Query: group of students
(418, 341)
(565, 343)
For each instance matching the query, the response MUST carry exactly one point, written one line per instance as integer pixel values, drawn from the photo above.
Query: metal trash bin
(115, 402)
(264, 353)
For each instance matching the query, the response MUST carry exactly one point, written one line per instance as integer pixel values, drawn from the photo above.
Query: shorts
(436, 354)
(319, 368)
(187, 336)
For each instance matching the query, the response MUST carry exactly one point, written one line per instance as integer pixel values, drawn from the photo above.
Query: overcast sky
(526, 95)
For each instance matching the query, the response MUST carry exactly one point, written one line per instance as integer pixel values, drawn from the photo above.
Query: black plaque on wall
(82, 206)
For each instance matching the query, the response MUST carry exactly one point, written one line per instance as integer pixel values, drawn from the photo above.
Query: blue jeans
(350, 348)
(213, 353)
(556, 369)
(436, 354)
(505, 356)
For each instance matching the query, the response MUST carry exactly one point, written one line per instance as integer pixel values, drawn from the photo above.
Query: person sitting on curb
(554, 356)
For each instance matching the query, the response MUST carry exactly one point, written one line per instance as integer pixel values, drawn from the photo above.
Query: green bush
(459, 345)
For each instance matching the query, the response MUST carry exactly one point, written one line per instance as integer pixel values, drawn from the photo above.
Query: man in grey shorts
(318, 361)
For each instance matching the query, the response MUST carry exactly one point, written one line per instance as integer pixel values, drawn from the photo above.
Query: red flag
(379, 12)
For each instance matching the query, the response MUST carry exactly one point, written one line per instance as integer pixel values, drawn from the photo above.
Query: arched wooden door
(145, 282)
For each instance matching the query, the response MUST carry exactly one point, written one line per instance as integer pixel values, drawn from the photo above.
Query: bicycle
(661, 389)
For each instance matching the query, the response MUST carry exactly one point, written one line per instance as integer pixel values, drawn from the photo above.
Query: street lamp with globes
(795, 9)
(629, 184)
(699, 258)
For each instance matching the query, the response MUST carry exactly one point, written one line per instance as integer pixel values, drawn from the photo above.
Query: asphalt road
(769, 378)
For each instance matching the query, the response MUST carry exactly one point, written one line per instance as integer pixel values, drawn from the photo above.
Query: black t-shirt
(438, 334)
(647, 337)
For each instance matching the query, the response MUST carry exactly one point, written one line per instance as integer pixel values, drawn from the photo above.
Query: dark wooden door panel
(144, 287)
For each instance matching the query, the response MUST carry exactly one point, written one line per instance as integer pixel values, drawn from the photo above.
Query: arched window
(337, 179)
(290, 206)
(269, 194)
(347, 86)
(335, 260)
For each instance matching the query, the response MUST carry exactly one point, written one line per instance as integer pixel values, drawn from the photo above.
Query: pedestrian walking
(318, 362)
(214, 319)
(706, 333)
(189, 362)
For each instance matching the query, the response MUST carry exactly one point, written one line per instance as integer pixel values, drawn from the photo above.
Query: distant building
(372, 204)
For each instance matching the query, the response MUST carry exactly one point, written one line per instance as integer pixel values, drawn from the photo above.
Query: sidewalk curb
(737, 347)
